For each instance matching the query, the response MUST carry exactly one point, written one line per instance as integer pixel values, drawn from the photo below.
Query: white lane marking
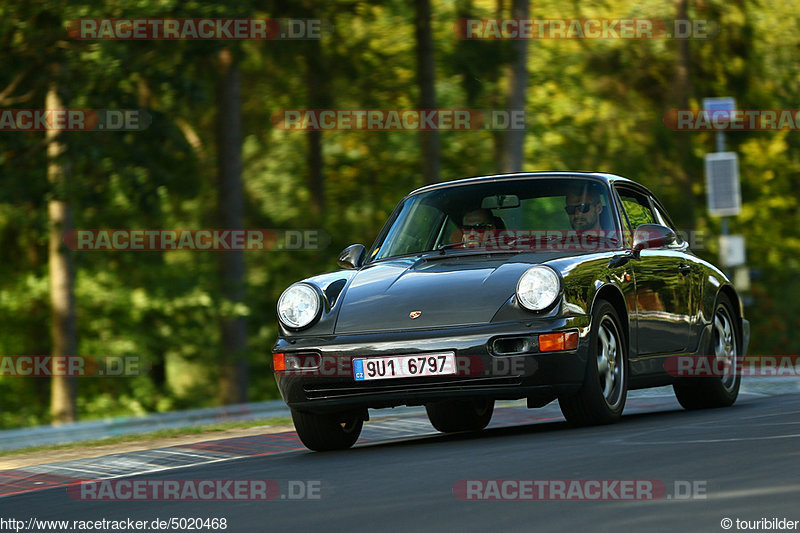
(782, 413)
(758, 425)
(57, 470)
(143, 472)
(755, 491)
(172, 452)
(713, 496)
(635, 438)
(704, 441)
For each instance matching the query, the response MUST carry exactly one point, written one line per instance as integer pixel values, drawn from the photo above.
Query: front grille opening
(514, 345)
(318, 390)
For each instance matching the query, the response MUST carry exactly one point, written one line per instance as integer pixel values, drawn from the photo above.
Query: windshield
(507, 215)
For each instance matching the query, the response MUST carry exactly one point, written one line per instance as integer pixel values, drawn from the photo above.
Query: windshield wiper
(428, 256)
(442, 247)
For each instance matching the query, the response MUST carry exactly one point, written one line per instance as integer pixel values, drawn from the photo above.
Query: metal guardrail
(13, 439)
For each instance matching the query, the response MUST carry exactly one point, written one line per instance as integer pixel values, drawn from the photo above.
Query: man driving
(584, 208)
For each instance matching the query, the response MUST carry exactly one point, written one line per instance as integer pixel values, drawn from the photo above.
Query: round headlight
(538, 288)
(298, 306)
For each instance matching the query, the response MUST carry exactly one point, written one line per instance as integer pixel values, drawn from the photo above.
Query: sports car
(566, 286)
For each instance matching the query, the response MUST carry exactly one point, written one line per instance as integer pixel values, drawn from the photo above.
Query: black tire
(326, 432)
(709, 393)
(451, 416)
(602, 396)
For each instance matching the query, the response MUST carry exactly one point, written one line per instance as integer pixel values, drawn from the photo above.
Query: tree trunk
(515, 139)
(233, 383)
(316, 79)
(62, 276)
(498, 136)
(681, 90)
(429, 140)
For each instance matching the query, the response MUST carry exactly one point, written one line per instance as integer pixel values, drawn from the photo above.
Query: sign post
(723, 189)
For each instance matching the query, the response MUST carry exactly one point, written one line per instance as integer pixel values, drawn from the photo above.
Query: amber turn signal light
(556, 342)
(278, 362)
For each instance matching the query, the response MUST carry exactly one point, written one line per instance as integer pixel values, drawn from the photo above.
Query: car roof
(599, 176)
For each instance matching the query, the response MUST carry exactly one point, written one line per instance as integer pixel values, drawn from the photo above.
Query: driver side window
(637, 208)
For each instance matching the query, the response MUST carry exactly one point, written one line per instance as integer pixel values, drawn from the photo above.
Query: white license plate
(404, 366)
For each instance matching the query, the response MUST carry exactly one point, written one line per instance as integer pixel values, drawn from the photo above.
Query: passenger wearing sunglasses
(478, 220)
(476, 225)
(584, 208)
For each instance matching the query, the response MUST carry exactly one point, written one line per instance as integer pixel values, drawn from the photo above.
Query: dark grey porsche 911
(567, 285)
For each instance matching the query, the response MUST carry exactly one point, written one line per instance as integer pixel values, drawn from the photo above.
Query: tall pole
(721, 148)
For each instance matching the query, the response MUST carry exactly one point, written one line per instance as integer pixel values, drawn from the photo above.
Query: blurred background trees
(204, 322)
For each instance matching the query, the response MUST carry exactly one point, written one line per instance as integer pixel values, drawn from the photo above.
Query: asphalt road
(743, 462)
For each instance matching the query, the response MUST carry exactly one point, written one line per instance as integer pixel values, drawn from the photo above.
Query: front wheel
(601, 398)
(710, 392)
(326, 432)
(451, 416)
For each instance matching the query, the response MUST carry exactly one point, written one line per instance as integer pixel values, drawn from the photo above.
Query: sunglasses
(583, 208)
(478, 227)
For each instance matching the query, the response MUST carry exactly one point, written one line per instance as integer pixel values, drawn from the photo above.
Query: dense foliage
(591, 105)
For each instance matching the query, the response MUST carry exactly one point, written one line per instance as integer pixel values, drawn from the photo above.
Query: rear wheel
(451, 416)
(723, 349)
(325, 432)
(601, 399)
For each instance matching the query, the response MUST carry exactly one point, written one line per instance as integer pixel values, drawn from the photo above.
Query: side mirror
(652, 236)
(352, 256)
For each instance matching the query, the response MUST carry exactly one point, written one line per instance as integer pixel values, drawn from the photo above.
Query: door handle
(684, 268)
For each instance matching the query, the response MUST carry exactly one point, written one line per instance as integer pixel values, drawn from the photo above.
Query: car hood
(451, 291)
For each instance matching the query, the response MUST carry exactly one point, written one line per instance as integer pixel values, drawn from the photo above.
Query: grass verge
(142, 437)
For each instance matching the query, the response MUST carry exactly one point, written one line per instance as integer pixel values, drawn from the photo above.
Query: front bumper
(484, 366)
